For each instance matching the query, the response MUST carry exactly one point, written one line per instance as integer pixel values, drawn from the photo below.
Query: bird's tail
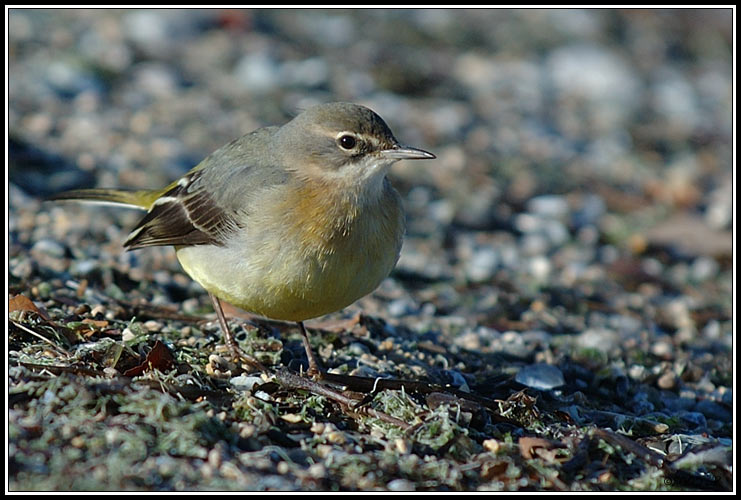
(142, 199)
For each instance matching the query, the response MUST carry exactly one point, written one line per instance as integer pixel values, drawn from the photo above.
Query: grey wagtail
(289, 222)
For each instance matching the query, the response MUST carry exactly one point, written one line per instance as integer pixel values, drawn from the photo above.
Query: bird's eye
(348, 142)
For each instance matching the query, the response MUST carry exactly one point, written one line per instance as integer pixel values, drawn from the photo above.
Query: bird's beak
(399, 152)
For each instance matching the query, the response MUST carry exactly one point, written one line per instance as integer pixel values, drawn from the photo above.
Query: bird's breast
(313, 253)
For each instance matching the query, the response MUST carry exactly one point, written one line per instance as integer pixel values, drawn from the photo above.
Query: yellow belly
(305, 268)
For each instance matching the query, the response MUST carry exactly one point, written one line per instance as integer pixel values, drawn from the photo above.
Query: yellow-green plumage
(136, 199)
(289, 222)
(303, 260)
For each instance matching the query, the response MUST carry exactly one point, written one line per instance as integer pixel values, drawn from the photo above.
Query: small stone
(323, 450)
(695, 418)
(245, 383)
(317, 427)
(214, 458)
(713, 410)
(540, 267)
(400, 485)
(482, 265)
(127, 335)
(77, 442)
(82, 309)
(317, 471)
(662, 349)
(602, 339)
(540, 376)
(468, 340)
(336, 437)
(216, 359)
(48, 247)
(153, 326)
(553, 206)
(99, 309)
(399, 307)
(667, 381)
(402, 446)
(247, 430)
(358, 349)
(258, 72)
(491, 445)
(292, 418)
(283, 468)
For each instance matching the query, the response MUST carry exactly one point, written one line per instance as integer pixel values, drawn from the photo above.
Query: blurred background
(565, 138)
(583, 149)
(579, 213)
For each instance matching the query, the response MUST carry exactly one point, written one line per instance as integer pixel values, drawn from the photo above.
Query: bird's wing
(183, 218)
(212, 201)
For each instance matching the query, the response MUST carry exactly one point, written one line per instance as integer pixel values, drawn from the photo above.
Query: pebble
(482, 265)
(673, 403)
(215, 457)
(457, 380)
(727, 396)
(589, 212)
(244, 382)
(587, 71)
(49, 247)
(549, 206)
(317, 471)
(358, 349)
(399, 307)
(639, 373)
(640, 403)
(713, 410)
(21, 268)
(401, 485)
(703, 269)
(402, 446)
(258, 72)
(540, 268)
(147, 28)
(601, 339)
(540, 376)
(156, 80)
(311, 72)
(127, 335)
(511, 343)
(667, 381)
(153, 325)
(491, 445)
(336, 437)
(694, 418)
(292, 418)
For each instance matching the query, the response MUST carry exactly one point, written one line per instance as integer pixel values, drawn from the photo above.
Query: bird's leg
(315, 369)
(229, 339)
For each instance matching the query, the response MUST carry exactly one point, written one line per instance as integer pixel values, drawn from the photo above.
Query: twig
(293, 381)
(56, 370)
(36, 334)
(372, 386)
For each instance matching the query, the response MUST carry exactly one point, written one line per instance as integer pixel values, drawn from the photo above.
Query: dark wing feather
(183, 216)
(193, 212)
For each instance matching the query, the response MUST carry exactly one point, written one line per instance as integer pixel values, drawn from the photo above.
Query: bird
(287, 222)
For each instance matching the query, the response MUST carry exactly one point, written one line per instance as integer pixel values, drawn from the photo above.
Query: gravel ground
(562, 311)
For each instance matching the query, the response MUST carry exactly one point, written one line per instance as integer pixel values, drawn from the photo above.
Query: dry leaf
(23, 303)
(96, 323)
(159, 358)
